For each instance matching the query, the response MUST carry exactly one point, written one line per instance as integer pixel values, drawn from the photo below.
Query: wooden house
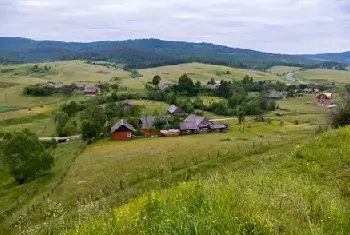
(174, 110)
(122, 131)
(92, 91)
(324, 99)
(147, 126)
(195, 124)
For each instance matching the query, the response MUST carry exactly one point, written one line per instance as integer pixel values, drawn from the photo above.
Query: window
(128, 135)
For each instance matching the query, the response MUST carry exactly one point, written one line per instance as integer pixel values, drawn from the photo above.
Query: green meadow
(279, 176)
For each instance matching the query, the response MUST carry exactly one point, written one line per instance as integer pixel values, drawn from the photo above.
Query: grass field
(281, 70)
(323, 76)
(297, 190)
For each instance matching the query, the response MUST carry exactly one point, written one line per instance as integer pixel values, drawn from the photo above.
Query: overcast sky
(284, 26)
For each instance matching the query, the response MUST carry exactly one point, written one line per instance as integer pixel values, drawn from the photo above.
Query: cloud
(285, 26)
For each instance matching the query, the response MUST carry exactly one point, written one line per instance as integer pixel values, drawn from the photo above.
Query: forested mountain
(144, 53)
(340, 57)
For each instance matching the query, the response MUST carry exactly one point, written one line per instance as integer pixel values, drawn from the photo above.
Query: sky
(280, 26)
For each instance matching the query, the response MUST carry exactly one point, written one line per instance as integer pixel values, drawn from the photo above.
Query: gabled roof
(147, 122)
(186, 125)
(120, 124)
(194, 118)
(173, 108)
(194, 122)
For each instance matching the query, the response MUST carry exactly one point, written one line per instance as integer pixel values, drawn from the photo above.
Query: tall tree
(25, 156)
(156, 80)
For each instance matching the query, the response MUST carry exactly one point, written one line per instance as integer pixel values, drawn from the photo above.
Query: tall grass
(304, 191)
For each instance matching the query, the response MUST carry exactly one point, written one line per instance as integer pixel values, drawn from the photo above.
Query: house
(317, 91)
(92, 91)
(170, 133)
(308, 90)
(275, 95)
(122, 131)
(324, 99)
(219, 128)
(175, 111)
(195, 124)
(147, 126)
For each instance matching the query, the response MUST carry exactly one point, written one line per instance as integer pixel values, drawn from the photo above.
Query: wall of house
(122, 135)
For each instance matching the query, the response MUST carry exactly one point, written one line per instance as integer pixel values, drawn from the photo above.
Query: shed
(147, 126)
(174, 110)
(122, 130)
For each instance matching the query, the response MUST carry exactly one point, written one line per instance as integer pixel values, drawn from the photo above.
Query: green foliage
(156, 80)
(25, 156)
(185, 85)
(72, 108)
(340, 115)
(38, 90)
(93, 120)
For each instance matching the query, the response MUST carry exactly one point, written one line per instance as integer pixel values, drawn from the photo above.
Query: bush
(340, 115)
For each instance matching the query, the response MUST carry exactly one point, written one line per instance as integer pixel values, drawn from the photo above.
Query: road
(74, 137)
(222, 119)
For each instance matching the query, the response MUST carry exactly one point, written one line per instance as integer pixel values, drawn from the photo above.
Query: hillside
(143, 53)
(304, 190)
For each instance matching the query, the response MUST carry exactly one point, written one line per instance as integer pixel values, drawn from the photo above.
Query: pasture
(324, 76)
(281, 70)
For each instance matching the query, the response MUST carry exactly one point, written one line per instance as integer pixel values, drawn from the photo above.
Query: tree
(198, 103)
(25, 156)
(61, 120)
(156, 80)
(340, 115)
(95, 118)
(72, 108)
(186, 84)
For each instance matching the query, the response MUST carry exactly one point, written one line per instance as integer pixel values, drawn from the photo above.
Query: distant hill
(343, 57)
(145, 53)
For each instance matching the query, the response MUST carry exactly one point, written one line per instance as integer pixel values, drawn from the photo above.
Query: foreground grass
(303, 191)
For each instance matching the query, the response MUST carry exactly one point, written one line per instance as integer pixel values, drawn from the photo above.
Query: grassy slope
(302, 191)
(324, 75)
(283, 69)
(67, 72)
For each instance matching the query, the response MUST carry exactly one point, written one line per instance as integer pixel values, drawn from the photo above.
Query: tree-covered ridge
(146, 53)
